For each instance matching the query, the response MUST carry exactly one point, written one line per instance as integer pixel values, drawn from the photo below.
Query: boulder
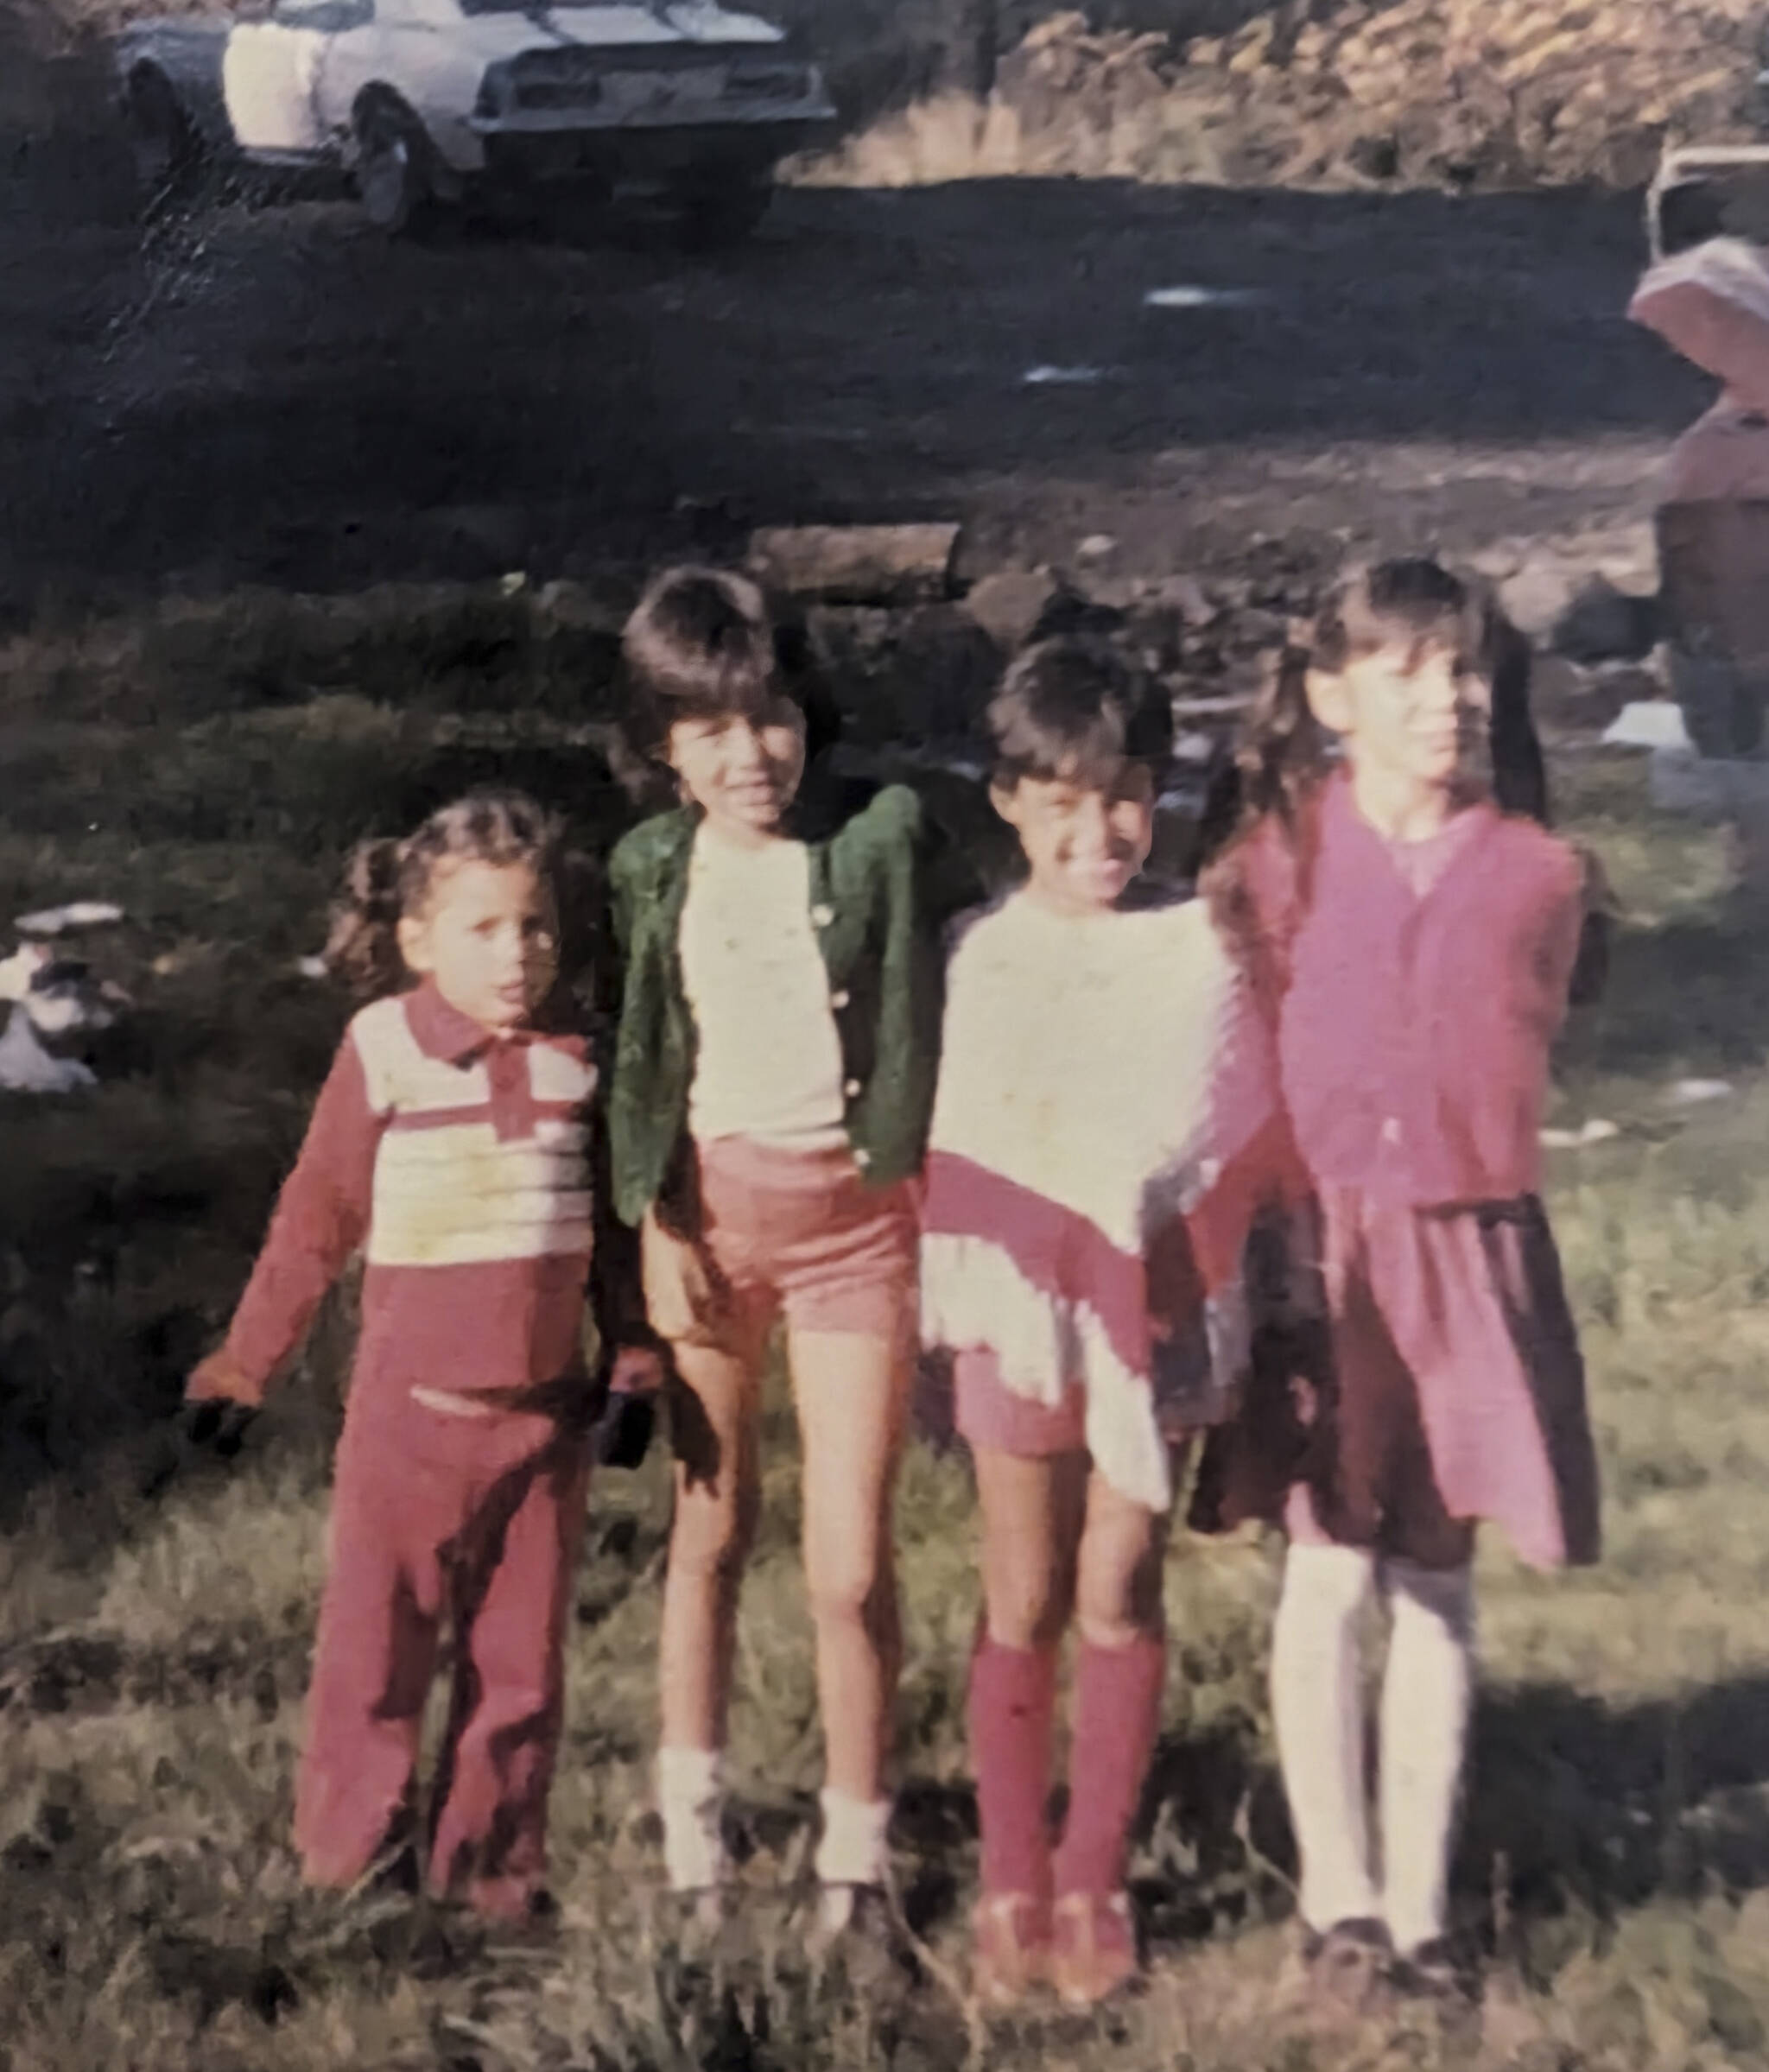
(1600, 623)
(1009, 604)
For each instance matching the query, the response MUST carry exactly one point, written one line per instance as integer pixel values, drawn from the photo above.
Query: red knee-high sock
(1117, 1709)
(1013, 1699)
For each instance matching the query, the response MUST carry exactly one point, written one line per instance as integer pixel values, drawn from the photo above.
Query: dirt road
(279, 396)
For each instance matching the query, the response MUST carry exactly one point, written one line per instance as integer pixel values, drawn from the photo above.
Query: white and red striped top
(457, 1163)
(1105, 1125)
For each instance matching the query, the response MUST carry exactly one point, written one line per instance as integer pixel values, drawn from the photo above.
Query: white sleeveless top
(769, 1059)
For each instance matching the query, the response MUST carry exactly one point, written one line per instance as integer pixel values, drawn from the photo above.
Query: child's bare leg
(852, 1396)
(1118, 1577)
(1033, 1511)
(713, 1418)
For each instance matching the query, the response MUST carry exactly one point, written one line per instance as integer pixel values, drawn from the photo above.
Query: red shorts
(988, 1414)
(798, 1233)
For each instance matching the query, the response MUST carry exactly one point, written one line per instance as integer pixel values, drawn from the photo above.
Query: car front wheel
(163, 143)
(392, 169)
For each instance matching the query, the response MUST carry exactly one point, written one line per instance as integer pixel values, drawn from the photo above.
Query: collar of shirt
(1435, 855)
(443, 1032)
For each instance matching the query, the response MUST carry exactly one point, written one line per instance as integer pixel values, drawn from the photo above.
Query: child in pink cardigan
(1413, 946)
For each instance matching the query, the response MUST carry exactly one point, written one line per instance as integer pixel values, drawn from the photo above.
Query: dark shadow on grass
(1690, 996)
(1578, 1812)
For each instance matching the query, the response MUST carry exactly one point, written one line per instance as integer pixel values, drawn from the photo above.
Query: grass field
(157, 1607)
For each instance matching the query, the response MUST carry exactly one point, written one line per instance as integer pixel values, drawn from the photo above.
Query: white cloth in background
(768, 1064)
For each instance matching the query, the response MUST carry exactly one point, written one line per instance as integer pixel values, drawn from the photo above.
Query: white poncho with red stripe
(1105, 1124)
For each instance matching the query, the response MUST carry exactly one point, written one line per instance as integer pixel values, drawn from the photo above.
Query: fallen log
(857, 564)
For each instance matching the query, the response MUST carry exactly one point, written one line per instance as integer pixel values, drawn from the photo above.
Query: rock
(1073, 614)
(1184, 595)
(1096, 547)
(1009, 604)
(1538, 594)
(584, 606)
(1600, 623)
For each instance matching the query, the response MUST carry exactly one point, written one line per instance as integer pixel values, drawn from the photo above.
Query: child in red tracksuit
(451, 1145)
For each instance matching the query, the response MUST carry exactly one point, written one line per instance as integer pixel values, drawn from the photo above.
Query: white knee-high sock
(1318, 1707)
(1425, 1696)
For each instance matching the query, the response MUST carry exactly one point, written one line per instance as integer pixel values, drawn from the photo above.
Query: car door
(273, 71)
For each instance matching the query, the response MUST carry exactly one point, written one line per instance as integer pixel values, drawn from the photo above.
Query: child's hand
(683, 1293)
(218, 1424)
(637, 1371)
(627, 1424)
(219, 1379)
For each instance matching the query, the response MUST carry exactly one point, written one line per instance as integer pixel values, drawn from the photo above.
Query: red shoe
(1010, 1947)
(1094, 1948)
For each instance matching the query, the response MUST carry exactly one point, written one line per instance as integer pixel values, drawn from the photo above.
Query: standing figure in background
(778, 1041)
(452, 1144)
(1106, 1123)
(1412, 947)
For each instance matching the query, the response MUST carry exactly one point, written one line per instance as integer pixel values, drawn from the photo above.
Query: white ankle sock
(1318, 1707)
(1425, 1695)
(690, 1796)
(852, 1850)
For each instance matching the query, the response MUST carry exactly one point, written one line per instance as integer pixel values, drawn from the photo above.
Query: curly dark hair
(387, 879)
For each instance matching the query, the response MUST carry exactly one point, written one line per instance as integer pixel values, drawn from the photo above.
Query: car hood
(506, 32)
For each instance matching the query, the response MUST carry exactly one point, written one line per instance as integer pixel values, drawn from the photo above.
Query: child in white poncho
(1105, 1126)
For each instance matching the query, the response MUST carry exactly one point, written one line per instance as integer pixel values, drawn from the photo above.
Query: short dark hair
(702, 645)
(1074, 709)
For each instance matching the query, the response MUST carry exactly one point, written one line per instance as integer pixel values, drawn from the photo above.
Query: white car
(421, 102)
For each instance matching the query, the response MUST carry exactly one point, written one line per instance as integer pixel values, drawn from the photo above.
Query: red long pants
(478, 1521)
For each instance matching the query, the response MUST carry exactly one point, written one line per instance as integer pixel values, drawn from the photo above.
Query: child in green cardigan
(774, 1072)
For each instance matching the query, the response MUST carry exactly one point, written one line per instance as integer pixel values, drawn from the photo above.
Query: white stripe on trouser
(690, 1798)
(1318, 1707)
